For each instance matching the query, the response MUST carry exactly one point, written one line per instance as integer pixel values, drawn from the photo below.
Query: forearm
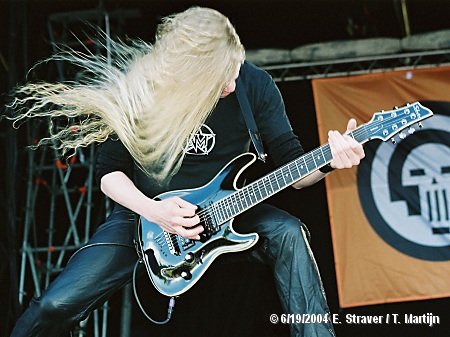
(173, 214)
(122, 190)
(309, 180)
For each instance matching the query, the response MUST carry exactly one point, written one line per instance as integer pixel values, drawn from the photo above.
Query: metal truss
(358, 66)
(59, 210)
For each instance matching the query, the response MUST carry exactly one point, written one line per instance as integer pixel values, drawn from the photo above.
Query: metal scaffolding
(61, 195)
(58, 212)
(358, 65)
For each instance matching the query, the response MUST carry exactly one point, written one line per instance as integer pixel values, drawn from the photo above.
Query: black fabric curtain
(14, 65)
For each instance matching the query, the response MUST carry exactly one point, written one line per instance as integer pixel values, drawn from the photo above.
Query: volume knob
(186, 275)
(189, 257)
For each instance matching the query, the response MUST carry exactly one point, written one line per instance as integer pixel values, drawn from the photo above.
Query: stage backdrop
(390, 216)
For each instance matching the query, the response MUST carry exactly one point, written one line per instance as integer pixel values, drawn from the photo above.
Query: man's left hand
(346, 151)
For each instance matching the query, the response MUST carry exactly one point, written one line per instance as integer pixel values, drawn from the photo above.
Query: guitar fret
(324, 153)
(301, 167)
(298, 169)
(252, 193)
(319, 159)
(276, 176)
(269, 184)
(232, 204)
(249, 195)
(304, 163)
(283, 176)
(250, 201)
(293, 170)
(240, 199)
(220, 210)
(274, 180)
(239, 204)
(244, 197)
(323, 156)
(312, 155)
(228, 208)
(236, 204)
(290, 173)
(308, 162)
(216, 214)
(259, 190)
(263, 187)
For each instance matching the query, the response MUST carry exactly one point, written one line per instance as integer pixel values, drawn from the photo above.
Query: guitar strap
(250, 120)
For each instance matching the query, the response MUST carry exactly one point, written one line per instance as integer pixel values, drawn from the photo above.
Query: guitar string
(308, 158)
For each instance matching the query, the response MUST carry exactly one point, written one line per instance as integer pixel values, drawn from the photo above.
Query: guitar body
(174, 264)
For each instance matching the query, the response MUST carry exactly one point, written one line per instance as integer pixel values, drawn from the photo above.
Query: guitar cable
(170, 307)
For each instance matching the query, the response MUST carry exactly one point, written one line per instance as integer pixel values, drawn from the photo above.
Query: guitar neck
(272, 183)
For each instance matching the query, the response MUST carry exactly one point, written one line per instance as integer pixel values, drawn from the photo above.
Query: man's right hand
(177, 216)
(174, 215)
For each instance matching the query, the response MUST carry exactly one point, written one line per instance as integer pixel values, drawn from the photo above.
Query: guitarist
(167, 118)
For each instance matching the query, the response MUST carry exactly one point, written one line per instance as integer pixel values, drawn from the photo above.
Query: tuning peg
(402, 135)
(411, 130)
(393, 140)
(420, 125)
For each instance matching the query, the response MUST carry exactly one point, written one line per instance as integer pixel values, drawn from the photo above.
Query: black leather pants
(106, 264)
(284, 246)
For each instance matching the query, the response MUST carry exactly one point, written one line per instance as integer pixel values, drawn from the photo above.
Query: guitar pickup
(187, 243)
(209, 229)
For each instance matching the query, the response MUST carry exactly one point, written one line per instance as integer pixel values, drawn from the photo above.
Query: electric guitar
(174, 263)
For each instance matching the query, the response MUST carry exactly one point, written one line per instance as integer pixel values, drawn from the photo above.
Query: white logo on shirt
(202, 142)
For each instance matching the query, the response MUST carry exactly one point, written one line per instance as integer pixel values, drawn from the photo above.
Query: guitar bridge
(172, 243)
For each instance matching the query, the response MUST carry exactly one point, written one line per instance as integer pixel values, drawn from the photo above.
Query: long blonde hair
(153, 97)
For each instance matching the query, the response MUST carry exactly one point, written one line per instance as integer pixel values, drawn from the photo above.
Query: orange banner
(390, 216)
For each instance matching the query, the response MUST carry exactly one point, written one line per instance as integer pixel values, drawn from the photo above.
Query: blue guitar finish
(175, 264)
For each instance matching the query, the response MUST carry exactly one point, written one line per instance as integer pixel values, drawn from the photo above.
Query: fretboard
(272, 183)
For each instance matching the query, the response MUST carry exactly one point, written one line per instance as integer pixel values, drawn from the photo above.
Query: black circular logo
(405, 188)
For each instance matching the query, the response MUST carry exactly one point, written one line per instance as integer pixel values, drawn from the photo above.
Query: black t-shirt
(222, 137)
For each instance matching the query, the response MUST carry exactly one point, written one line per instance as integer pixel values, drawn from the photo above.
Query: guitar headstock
(386, 124)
